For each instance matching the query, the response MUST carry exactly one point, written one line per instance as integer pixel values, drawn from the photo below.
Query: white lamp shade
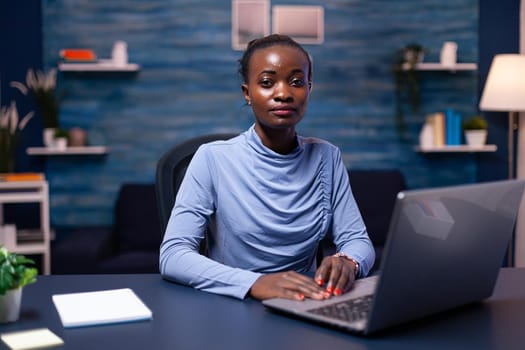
(505, 86)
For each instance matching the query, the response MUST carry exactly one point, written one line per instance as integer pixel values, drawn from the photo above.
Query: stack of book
(441, 129)
(21, 177)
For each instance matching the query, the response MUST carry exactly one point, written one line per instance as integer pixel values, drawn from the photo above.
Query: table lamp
(505, 91)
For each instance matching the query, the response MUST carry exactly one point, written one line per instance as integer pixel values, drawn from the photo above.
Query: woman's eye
(266, 83)
(298, 82)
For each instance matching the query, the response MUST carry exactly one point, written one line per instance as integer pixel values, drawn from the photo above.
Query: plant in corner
(10, 126)
(475, 129)
(407, 81)
(15, 273)
(42, 86)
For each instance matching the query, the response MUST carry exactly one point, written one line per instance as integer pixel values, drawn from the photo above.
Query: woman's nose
(282, 93)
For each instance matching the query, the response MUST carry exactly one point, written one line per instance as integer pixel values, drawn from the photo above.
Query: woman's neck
(282, 141)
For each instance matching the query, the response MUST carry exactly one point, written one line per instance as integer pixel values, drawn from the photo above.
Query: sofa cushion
(375, 192)
(137, 224)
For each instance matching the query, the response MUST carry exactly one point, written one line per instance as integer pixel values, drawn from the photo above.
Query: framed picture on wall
(303, 23)
(250, 20)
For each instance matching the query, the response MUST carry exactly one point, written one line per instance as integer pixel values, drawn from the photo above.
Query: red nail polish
(300, 296)
(330, 289)
(320, 281)
(337, 291)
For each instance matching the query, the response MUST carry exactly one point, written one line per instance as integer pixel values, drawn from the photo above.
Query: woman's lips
(283, 112)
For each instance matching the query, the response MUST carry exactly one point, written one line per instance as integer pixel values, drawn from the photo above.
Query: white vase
(10, 305)
(49, 137)
(476, 138)
(426, 136)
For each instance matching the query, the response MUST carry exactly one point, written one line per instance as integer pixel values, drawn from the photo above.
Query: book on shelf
(78, 55)
(452, 128)
(445, 129)
(11, 177)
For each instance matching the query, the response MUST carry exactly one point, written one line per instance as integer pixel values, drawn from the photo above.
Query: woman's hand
(289, 285)
(336, 273)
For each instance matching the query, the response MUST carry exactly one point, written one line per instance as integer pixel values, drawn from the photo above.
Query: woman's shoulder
(220, 144)
(317, 143)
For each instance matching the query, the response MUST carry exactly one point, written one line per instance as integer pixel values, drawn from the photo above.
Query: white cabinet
(38, 241)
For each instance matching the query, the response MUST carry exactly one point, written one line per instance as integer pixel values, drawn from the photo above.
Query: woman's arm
(349, 234)
(180, 260)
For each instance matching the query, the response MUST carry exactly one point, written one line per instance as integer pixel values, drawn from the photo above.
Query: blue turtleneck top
(264, 212)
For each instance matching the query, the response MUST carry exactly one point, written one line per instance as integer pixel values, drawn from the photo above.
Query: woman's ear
(246, 93)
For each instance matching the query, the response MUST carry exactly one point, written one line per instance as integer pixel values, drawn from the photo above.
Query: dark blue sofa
(132, 244)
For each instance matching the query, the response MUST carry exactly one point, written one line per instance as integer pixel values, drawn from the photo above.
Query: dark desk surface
(184, 318)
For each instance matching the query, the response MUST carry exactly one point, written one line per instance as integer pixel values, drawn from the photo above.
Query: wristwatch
(344, 256)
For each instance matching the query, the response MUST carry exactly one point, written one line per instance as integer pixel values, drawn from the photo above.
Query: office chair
(171, 168)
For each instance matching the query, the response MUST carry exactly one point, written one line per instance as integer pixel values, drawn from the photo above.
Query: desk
(184, 318)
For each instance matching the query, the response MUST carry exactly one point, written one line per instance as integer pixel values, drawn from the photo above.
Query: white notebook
(100, 307)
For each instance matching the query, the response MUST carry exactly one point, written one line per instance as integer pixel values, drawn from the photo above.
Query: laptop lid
(444, 249)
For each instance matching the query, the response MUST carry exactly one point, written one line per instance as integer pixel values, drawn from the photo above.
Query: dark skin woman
(267, 197)
(277, 86)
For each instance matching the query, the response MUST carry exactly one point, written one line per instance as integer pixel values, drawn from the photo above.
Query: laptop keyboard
(348, 310)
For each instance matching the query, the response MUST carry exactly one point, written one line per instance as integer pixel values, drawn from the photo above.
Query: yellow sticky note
(31, 339)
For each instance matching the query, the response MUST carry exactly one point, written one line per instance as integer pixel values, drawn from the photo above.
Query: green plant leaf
(6, 278)
(14, 271)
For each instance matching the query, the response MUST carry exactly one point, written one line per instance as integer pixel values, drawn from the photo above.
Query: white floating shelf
(98, 66)
(439, 66)
(47, 151)
(458, 148)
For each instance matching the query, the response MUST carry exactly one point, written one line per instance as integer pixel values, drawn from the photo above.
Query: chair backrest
(171, 168)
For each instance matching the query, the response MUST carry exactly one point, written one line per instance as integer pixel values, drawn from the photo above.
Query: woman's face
(278, 86)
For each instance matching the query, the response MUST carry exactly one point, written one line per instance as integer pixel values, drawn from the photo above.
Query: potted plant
(407, 80)
(60, 138)
(42, 86)
(475, 129)
(10, 126)
(15, 273)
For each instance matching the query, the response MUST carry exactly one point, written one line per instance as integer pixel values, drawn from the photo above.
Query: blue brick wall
(188, 86)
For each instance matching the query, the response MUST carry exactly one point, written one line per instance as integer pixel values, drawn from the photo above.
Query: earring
(249, 102)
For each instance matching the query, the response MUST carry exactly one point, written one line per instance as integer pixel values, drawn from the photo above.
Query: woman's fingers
(335, 274)
(290, 285)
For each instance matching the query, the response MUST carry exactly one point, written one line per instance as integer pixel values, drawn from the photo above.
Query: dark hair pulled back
(268, 41)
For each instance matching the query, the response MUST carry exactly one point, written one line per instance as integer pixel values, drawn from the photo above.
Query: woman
(268, 197)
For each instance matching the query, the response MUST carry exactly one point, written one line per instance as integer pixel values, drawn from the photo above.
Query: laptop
(444, 249)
